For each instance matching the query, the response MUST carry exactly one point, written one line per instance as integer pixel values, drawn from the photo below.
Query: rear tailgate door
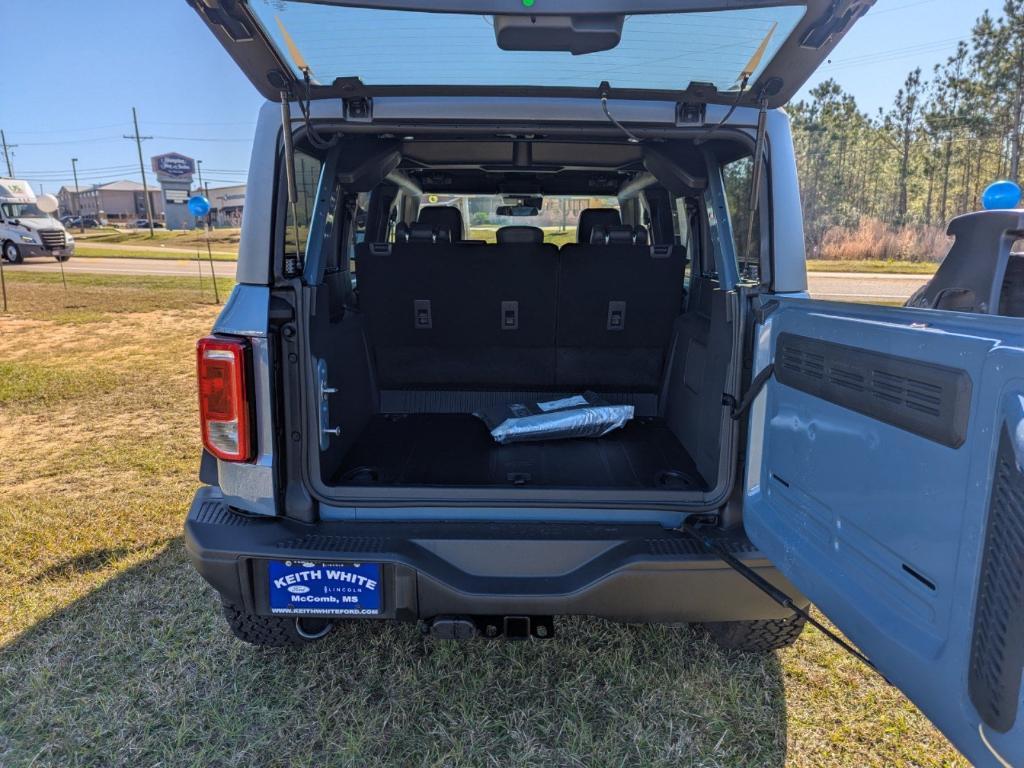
(712, 51)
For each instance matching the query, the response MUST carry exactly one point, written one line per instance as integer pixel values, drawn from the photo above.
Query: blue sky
(82, 66)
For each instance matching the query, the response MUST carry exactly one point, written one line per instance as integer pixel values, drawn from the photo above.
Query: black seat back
(616, 306)
(456, 315)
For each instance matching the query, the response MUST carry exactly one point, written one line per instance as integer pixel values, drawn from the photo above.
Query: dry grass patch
(113, 651)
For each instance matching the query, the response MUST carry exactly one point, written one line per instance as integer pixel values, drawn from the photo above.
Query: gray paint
(246, 312)
(790, 267)
(252, 486)
(256, 246)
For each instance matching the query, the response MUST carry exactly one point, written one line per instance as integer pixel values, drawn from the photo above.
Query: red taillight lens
(223, 397)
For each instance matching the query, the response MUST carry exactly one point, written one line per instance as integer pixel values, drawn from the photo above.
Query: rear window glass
(663, 51)
(746, 229)
(307, 180)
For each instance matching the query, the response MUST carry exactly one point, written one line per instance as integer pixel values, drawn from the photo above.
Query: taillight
(224, 398)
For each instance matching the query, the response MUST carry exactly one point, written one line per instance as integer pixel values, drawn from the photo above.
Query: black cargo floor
(456, 449)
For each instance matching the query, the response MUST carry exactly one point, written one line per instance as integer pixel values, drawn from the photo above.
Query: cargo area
(469, 284)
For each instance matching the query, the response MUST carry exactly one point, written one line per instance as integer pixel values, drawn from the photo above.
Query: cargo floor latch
(740, 407)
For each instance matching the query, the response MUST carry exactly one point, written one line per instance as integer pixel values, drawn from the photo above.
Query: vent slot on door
(997, 646)
(930, 400)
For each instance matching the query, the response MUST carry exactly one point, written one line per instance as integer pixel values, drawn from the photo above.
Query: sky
(80, 67)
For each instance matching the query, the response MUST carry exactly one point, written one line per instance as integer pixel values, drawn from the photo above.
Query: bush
(874, 240)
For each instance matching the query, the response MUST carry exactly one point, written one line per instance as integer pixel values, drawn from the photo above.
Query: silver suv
(550, 206)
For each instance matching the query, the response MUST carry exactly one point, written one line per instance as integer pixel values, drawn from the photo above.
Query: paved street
(840, 286)
(112, 266)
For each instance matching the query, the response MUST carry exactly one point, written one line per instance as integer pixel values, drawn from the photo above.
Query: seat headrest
(618, 235)
(446, 216)
(595, 217)
(422, 233)
(520, 234)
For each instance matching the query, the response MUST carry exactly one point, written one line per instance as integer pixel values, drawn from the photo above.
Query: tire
(756, 636)
(274, 631)
(65, 257)
(12, 253)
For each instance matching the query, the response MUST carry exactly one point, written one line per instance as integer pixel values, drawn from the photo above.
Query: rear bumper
(633, 573)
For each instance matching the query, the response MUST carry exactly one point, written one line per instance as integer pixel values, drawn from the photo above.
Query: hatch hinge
(714, 547)
(838, 17)
(227, 16)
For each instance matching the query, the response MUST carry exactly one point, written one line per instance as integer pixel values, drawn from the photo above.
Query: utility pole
(7, 154)
(142, 169)
(78, 199)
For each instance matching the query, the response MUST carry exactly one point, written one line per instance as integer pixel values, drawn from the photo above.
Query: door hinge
(838, 17)
(762, 311)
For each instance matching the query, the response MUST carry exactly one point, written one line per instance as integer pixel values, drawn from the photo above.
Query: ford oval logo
(298, 589)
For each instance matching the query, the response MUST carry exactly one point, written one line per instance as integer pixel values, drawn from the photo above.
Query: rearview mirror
(517, 210)
(574, 34)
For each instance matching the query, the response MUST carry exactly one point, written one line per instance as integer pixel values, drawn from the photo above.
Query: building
(116, 201)
(226, 204)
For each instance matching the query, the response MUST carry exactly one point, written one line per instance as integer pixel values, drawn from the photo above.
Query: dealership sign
(172, 166)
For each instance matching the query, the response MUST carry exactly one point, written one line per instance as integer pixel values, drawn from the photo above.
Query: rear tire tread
(265, 631)
(761, 636)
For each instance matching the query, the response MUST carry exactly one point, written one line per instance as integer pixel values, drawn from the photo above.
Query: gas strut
(713, 547)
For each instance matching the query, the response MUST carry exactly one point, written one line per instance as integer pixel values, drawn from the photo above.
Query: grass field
(87, 251)
(113, 652)
(182, 238)
(874, 266)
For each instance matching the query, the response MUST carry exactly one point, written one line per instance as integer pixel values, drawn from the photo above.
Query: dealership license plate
(304, 587)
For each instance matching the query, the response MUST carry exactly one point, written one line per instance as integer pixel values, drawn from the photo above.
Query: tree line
(902, 173)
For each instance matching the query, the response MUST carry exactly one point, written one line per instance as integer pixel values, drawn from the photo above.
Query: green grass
(873, 266)
(113, 652)
(175, 238)
(84, 251)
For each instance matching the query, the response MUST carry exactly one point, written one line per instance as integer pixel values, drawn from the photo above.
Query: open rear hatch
(708, 51)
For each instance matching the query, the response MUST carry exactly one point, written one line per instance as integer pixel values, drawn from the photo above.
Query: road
(840, 286)
(112, 266)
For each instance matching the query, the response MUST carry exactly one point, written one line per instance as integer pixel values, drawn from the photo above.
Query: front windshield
(558, 215)
(22, 211)
(660, 51)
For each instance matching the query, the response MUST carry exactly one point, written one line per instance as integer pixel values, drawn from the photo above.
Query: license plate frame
(299, 587)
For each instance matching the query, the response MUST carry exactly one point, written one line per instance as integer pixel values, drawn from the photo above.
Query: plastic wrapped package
(585, 415)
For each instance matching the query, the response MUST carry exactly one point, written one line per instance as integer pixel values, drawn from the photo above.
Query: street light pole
(78, 199)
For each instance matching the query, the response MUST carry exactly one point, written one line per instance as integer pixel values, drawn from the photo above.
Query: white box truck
(26, 229)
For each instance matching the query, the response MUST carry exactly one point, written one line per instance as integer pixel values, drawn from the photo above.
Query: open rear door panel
(885, 481)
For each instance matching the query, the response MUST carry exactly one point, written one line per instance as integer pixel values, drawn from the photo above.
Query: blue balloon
(198, 205)
(1000, 195)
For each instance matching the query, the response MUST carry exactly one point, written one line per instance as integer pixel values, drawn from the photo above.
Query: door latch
(323, 394)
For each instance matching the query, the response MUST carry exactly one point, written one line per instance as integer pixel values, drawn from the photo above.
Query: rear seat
(446, 314)
(617, 300)
(516, 315)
